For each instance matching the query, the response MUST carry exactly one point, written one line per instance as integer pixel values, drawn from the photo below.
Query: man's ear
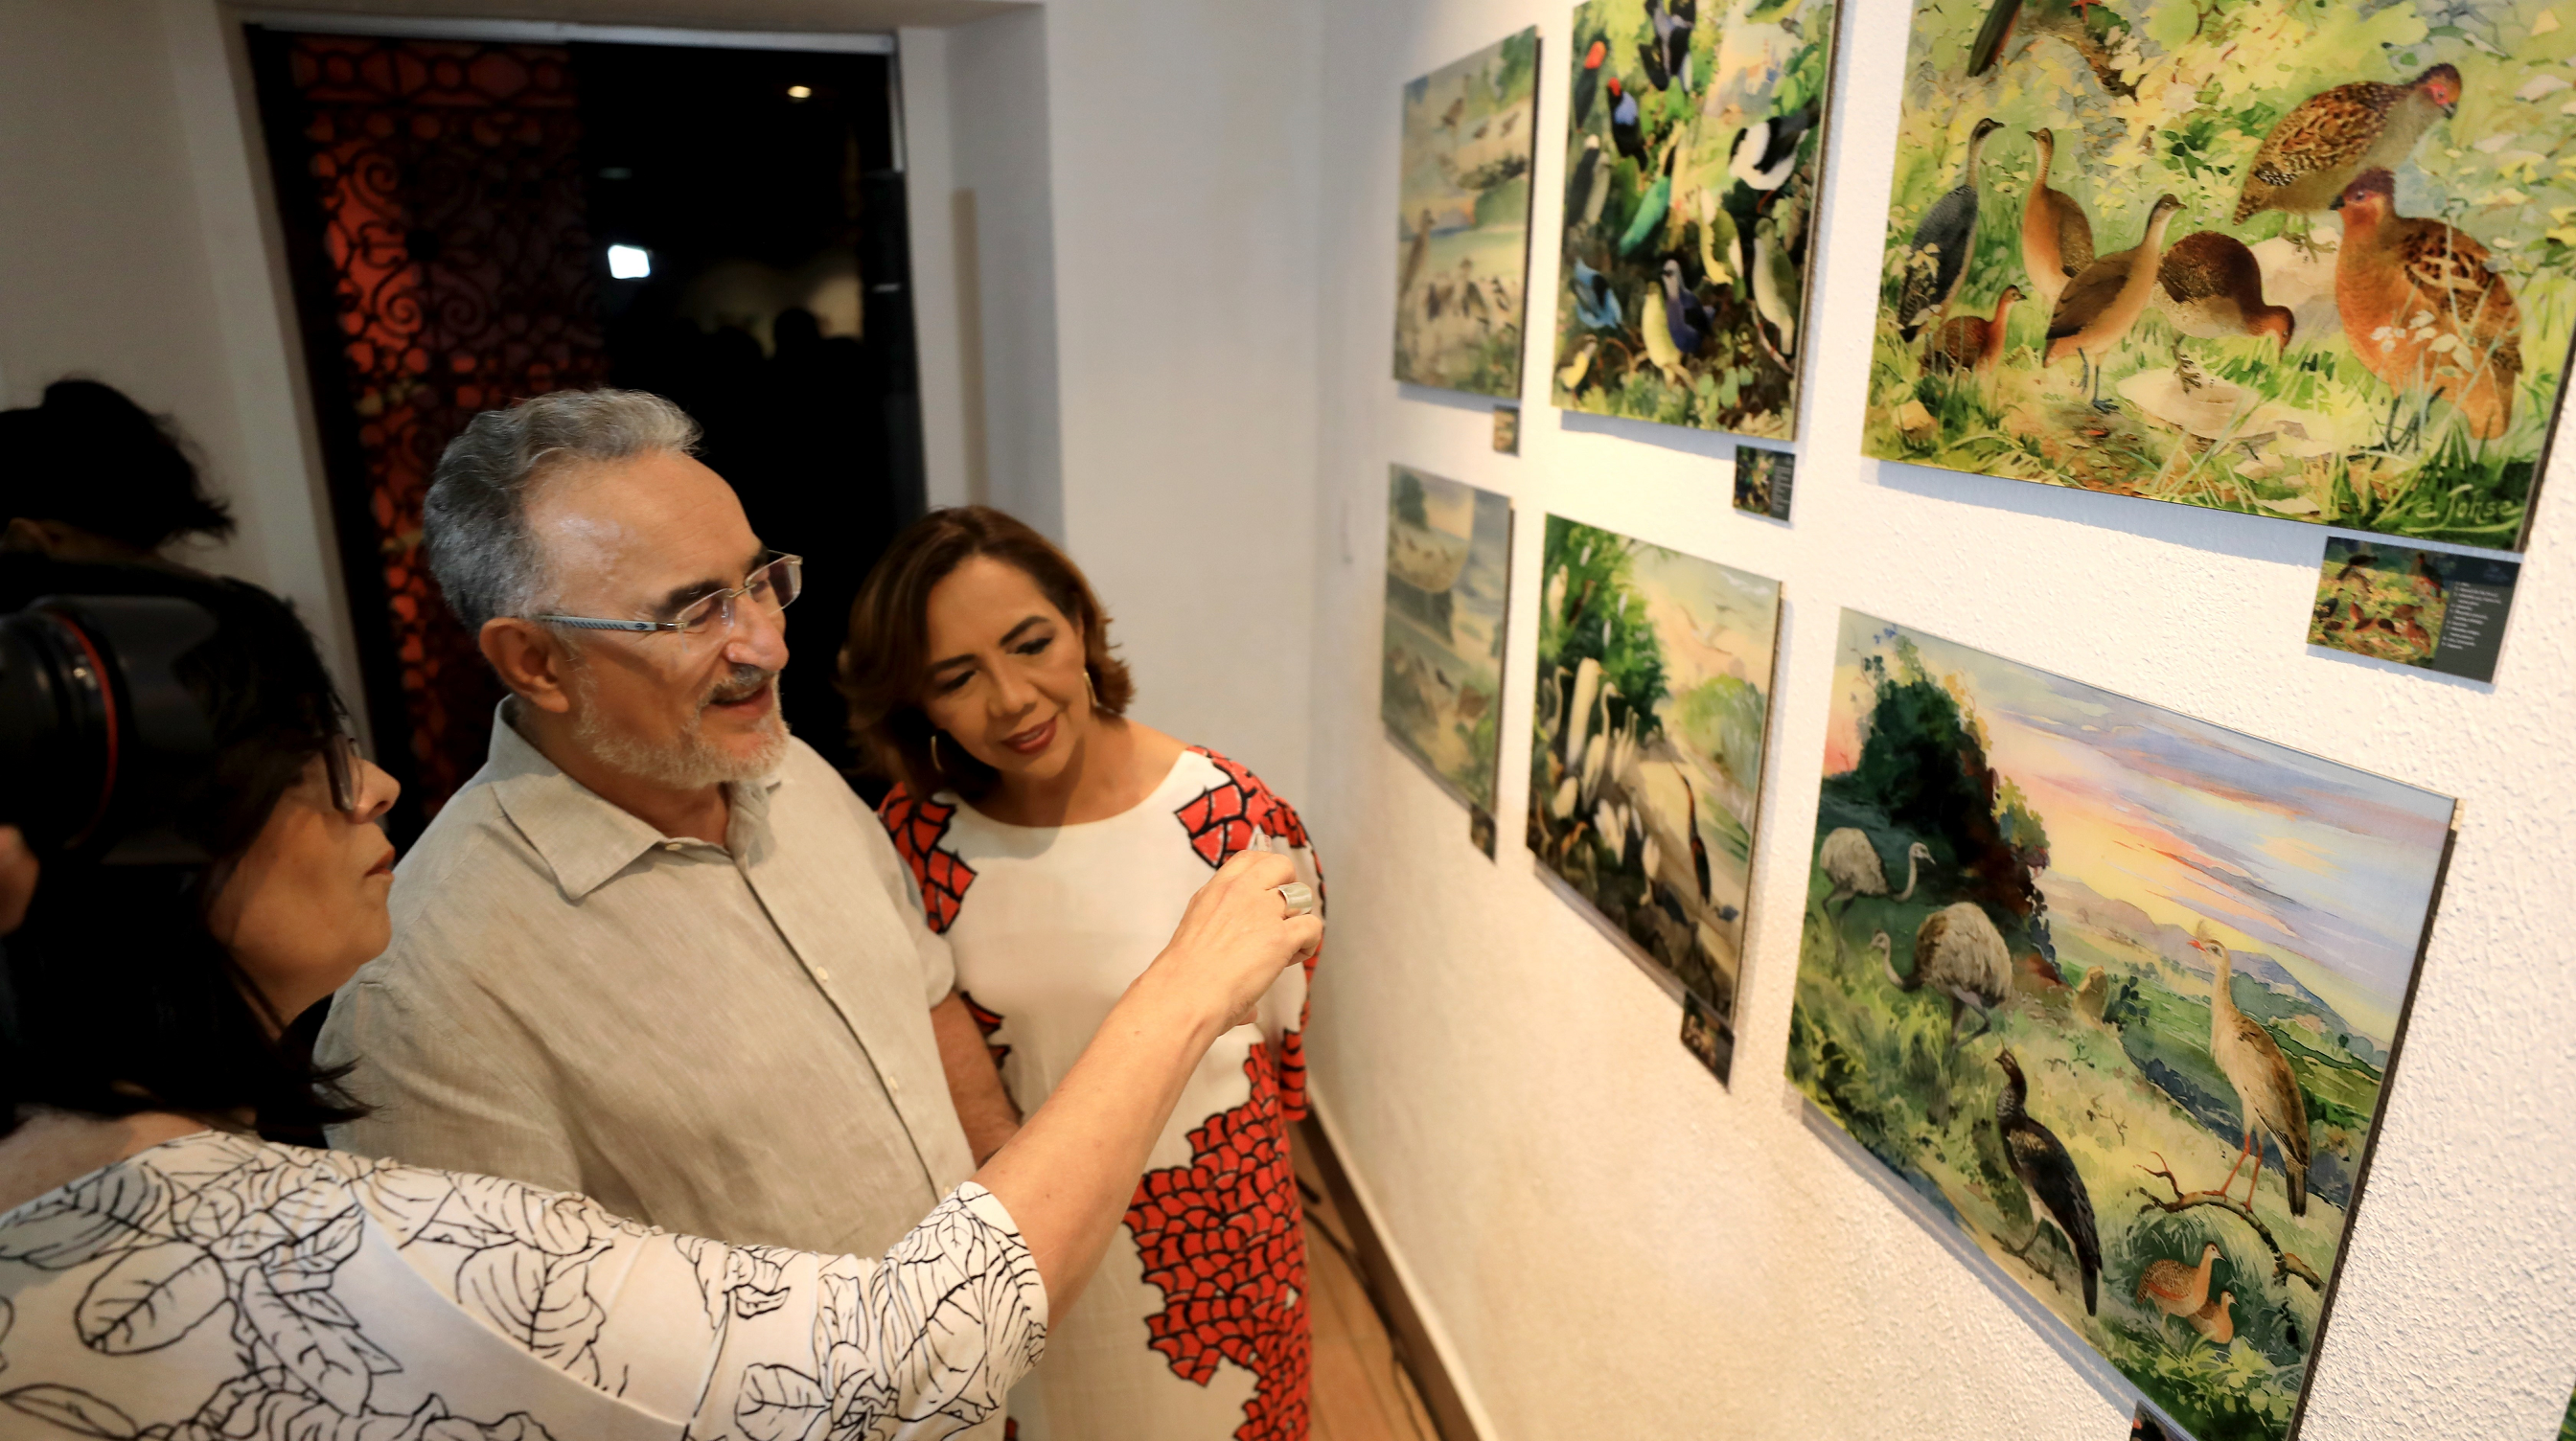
(530, 660)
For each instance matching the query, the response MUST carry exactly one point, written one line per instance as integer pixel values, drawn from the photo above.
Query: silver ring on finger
(1299, 896)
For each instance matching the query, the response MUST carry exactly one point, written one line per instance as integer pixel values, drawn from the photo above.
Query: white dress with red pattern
(1195, 1328)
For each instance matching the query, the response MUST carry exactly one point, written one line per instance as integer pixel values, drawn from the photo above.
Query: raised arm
(1067, 1176)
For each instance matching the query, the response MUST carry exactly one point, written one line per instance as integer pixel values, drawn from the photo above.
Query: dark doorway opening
(450, 207)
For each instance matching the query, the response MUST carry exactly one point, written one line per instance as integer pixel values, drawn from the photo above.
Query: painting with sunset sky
(2117, 992)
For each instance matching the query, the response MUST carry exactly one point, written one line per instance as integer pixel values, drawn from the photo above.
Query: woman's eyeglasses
(774, 586)
(340, 763)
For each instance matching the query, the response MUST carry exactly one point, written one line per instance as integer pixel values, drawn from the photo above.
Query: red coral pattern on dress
(987, 1022)
(942, 875)
(1223, 1238)
(1222, 820)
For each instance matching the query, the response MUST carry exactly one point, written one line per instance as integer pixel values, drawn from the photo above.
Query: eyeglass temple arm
(582, 622)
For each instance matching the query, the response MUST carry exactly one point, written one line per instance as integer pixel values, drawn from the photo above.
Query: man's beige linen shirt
(723, 1041)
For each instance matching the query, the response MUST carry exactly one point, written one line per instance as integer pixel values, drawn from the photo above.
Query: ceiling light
(800, 92)
(629, 262)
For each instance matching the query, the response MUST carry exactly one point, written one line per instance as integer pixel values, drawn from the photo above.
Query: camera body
(97, 734)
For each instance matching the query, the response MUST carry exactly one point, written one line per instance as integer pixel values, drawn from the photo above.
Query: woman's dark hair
(887, 659)
(125, 1001)
(89, 457)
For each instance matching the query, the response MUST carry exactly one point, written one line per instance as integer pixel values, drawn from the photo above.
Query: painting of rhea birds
(2308, 261)
(2116, 992)
(1654, 696)
(1448, 582)
(1462, 220)
(1693, 140)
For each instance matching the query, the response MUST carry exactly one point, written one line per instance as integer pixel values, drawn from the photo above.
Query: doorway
(469, 222)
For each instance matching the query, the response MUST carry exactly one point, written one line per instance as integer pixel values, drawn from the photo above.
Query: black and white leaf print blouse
(219, 1287)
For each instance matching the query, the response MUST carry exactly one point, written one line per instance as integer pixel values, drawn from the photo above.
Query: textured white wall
(1183, 139)
(1616, 1245)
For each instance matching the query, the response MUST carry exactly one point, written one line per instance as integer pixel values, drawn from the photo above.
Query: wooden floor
(1361, 1391)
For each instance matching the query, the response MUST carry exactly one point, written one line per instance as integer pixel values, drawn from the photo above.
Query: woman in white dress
(166, 1273)
(1048, 833)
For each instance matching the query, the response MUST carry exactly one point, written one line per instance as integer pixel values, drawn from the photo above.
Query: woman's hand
(1237, 936)
(17, 878)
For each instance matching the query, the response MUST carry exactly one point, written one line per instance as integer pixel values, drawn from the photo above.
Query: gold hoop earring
(1089, 689)
(934, 754)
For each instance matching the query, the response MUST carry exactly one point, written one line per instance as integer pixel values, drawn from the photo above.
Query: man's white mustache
(742, 687)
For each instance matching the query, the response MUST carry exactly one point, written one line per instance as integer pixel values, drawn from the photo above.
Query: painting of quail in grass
(1462, 220)
(2117, 992)
(2310, 261)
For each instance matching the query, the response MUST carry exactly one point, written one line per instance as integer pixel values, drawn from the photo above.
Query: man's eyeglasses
(774, 586)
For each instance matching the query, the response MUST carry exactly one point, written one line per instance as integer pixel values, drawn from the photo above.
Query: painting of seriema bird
(2048, 1176)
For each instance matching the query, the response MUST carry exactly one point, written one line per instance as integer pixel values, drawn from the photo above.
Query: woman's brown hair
(886, 659)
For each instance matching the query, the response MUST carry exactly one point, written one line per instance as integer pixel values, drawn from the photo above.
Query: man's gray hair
(474, 522)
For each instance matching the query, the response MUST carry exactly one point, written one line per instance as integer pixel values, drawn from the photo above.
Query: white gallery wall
(1613, 1244)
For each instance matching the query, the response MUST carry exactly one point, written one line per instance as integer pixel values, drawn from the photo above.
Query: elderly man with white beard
(655, 950)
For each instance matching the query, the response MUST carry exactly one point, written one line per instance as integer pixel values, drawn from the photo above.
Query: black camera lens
(95, 730)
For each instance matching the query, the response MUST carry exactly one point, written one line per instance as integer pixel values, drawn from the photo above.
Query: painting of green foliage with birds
(2115, 991)
(1448, 582)
(1694, 131)
(1654, 698)
(2310, 260)
(1462, 220)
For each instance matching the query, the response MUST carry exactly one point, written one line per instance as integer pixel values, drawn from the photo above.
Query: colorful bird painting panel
(1693, 140)
(2315, 262)
(1448, 584)
(1462, 220)
(2117, 991)
(1654, 703)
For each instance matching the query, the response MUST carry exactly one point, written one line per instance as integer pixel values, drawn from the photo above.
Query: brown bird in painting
(2098, 306)
(2056, 238)
(2209, 287)
(2334, 135)
(2214, 1320)
(2177, 1289)
(2423, 307)
(2267, 1091)
(1972, 342)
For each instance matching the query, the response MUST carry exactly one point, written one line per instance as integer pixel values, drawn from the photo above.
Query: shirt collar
(582, 837)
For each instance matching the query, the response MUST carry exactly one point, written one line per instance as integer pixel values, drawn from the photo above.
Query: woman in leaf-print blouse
(164, 1277)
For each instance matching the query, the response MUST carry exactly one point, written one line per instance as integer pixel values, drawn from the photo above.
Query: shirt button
(893, 1086)
(674, 845)
(821, 974)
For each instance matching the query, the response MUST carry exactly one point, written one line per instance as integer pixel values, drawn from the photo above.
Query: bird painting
(2209, 287)
(1587, 183)
(1596, 305)
(1764, 153)
(2097, 307)
(1945, 235)
(1673, 21)
(1958, 953)
(1626, 130)
(1415, 254)
(2425, 308)
(2088, 27)
(1776, 293)
(1684, 315)
(2214, 1319)
(2267, 1090)
(2049, 1179)
(1587, 81)
(1655, 324)
(1849, 860)
(2318, 149)
(1650, 208)
(1973, 342)
(2177, 1289)
(2056, 235)
(1569, 376)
